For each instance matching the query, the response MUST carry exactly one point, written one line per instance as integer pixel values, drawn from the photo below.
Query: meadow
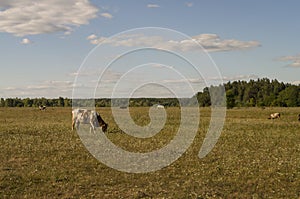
(41, 157)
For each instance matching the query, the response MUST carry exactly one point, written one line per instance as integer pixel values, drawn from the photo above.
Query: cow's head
(104, 127)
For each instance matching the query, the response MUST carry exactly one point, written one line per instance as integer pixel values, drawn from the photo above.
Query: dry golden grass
(254, 158)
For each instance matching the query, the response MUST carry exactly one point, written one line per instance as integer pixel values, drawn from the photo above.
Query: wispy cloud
(294, 60)
(210, 42)
(211, 79)
(189, 4)
(92, 37)
(153, 6)
(27, 17)
(42, 89)
(296, 82)
(86, 84)
(239, 77)
(106, 15)
(157, 65)
(127, 40)
(26, 41)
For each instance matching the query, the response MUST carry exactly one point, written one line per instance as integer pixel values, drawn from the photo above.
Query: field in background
(254, 158)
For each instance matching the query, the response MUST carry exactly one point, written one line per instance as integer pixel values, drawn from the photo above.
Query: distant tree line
(124, 102)
(66, 102)
(35, 102)
(254, 93)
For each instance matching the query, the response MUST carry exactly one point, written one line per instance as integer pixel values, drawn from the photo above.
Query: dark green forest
(262, 92)
(253, 93)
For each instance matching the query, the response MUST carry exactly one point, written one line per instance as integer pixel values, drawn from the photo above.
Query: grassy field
(41, 157)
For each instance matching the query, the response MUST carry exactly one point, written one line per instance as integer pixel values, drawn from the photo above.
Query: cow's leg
(73, 124)
(77, 124)
(92, 126)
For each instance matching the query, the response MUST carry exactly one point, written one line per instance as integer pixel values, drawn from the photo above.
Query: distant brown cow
(274, 116)
(299, 117)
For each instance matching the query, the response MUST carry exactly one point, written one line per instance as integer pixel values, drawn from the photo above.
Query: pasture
(41, 157)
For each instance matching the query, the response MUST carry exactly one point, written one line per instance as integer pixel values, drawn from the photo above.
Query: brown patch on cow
(101, 122)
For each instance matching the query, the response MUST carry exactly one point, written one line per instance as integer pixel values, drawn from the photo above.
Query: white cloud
(239, 77)
(295, 64)
(49, 89)
(189, 80)
(296, 82)
(106, 15)
(295, 60)
(96, 41)
(52, 84)
(153, 6)
(26, 41)
(92, 37)
(75, 74)
(128, 40)
(87, 84)
(157, 65)
(30, 17)
(189, 4)
(210, 42)
(211, 79)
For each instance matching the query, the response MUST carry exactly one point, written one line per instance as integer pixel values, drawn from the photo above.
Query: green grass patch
(41, 157)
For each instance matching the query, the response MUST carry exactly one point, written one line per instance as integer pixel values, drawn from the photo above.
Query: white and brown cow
(85, 116)
(274, 116)
(42, 108)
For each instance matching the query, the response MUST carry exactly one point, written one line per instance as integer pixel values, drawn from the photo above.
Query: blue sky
(43, 43)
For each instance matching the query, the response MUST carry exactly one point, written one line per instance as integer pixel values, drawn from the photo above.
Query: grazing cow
(85, 116)
(160, 106)
(42, 108)
(274, 116)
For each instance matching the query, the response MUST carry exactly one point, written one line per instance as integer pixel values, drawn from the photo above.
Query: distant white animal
(160, 106)
(42, 108)
(85, 116)
(274, 116)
